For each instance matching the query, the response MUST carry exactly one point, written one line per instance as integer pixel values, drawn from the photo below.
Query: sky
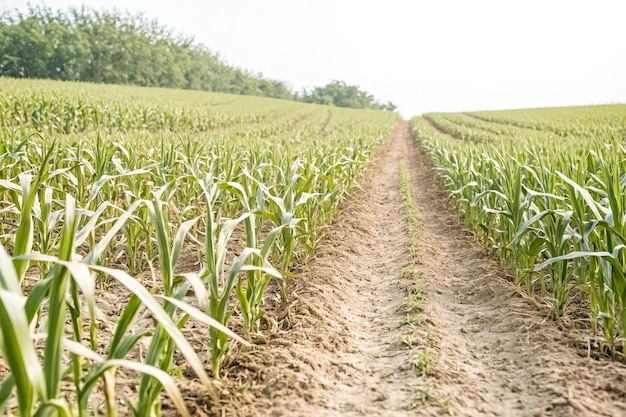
(422, 55)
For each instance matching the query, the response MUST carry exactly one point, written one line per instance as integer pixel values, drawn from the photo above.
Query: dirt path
(342, 353)
(339, 351)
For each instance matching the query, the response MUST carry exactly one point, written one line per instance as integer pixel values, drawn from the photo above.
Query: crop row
(563, 121)
(105, 203)
(553, 210)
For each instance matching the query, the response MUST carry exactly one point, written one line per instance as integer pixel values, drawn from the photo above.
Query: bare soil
(337, 349)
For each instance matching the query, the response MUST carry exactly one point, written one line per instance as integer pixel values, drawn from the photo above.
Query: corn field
(545, 189)
(102, 185)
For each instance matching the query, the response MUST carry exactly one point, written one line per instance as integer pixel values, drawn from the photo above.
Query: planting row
(550, 202)
(244, 185)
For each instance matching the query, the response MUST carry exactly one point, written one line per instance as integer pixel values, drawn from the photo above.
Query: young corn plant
(174, 288)
(250, 291)
(24, 197)
(38, 385)
(47, 222)
(218, 276)
(161, 349)
(85, 366)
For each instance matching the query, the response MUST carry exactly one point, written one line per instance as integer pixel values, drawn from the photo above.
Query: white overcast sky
(430, 55)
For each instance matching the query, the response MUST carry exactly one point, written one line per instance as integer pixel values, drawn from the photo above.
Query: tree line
(340, 94)
(83, 44)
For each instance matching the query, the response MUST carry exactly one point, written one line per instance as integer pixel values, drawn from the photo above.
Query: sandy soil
(338, 350)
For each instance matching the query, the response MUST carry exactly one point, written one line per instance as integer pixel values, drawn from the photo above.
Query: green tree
(120, 48)
(340, 94)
